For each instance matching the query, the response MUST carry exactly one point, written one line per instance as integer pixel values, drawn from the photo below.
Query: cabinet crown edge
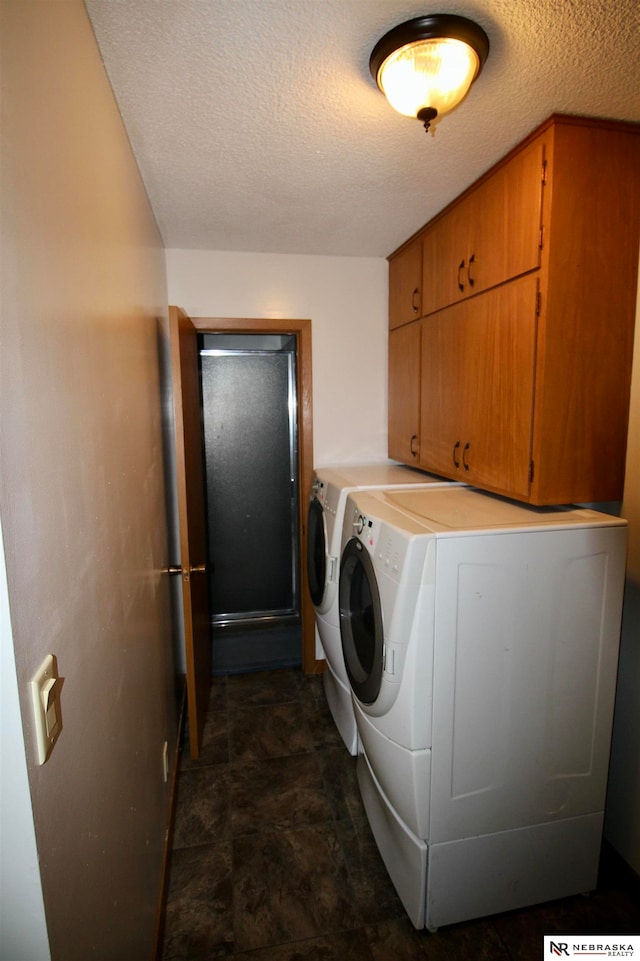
(554, 120)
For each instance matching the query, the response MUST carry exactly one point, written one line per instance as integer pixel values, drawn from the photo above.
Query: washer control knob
(359, 524)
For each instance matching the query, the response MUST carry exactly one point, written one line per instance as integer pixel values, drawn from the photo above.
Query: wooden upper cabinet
(589, 282)
(528, 314)
(405, 284)
(490, 235)
(404, 393)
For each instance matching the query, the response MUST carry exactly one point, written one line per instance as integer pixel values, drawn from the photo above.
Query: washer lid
(464, 509)
(387, 475)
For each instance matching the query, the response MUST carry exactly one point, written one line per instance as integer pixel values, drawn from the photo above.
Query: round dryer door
(316, 552)
(361, 622)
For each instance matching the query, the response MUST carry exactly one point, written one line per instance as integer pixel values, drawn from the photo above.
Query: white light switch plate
(45, 695)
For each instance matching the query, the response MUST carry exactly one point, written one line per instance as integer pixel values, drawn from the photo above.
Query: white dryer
(480, 639)
(331, 486)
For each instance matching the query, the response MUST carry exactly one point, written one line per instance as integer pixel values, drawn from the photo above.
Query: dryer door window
(316, 552)
(361, 622)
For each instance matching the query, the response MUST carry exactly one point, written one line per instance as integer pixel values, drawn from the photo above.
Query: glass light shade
(434, 73)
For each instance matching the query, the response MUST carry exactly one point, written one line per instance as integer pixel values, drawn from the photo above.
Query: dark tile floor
(273, 859)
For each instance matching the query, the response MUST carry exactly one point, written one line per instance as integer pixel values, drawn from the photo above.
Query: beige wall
(346, 300)
(631, 504)
(622, 825)
(82, 496)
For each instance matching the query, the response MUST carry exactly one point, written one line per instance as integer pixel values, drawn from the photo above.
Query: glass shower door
(250, 445)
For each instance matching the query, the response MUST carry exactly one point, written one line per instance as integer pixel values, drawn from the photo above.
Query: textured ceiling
(257, 126)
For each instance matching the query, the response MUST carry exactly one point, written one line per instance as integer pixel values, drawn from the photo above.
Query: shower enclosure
(252, 486)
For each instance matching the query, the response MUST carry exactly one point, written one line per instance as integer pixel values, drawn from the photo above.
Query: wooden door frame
(301, 329)
(190, 492)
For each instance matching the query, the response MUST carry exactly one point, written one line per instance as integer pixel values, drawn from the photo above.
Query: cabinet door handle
(460, 269)
(414, 437)
(456, 462)
(464, 455)
(472, 260)
(415, 307)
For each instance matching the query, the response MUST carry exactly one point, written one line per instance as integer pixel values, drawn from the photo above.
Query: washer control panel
(387, 550)
(389, 547)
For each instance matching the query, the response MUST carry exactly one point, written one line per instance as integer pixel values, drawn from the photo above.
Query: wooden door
(444, 404)
(405, 284)
(404, 393)
(506, 233)
(478, 369)
(191, 518)
(445, 257)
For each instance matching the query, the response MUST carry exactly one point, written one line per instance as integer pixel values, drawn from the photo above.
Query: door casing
(302, 331)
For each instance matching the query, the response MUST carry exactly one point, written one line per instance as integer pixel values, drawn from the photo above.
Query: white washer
(331, 486)
(481, 639)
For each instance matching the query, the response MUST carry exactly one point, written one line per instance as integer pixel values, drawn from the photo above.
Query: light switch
(45, 696)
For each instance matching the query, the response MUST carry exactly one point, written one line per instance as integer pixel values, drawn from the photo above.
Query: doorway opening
(250, 431)
(301, 330)
(191, 520)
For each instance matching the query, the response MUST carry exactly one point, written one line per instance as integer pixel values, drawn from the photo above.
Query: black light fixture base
(426, 115)
(439, 26)
(434, 26)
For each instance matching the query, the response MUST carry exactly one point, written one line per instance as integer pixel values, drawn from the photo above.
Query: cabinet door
(490, 236)
(506, 233)
(477, 385)
(444, 257)
(404, 393)
(405, 285)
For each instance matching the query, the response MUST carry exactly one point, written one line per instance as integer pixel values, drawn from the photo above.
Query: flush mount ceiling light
(425, 66)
